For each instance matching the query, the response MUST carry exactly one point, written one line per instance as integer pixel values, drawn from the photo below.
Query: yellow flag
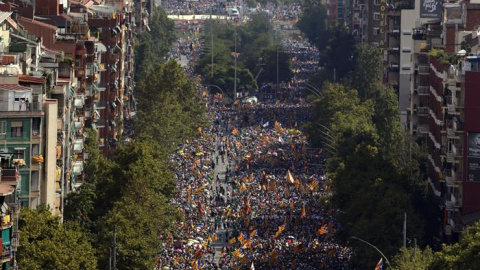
(313, 185)
(323, 230)
(290, 179)
(279, 231)
(241, 238)
(215, 238)
(200, 130)
(243, 187)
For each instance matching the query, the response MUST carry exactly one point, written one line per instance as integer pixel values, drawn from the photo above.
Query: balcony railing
(423, 69)
(423, 90)
(10, 175)
(423, 110)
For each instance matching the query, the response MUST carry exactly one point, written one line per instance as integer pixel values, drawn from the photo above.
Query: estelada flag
(323, 230)
(280, 230)
(379, 265)
(232, 240)
(304, 213)
(313, 185)
(215, 238)
(253, 233)
(235, 131)
(290, 179)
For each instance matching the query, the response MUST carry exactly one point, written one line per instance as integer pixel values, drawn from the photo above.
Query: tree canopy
(130, 193)
(259, 55)
(45, 243)
(374, 166)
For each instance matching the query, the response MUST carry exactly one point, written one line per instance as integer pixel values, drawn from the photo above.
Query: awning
(79, 102)
(100, 47)
(6, 156)
(78, 146)
(77, 168)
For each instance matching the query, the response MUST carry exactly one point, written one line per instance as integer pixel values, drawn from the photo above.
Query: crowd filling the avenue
(252, 195)
(251, 190)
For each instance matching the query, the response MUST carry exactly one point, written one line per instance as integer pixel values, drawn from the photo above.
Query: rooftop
(14, 87)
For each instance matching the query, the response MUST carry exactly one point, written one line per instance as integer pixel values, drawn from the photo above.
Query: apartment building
(438, 75)
(64, 68)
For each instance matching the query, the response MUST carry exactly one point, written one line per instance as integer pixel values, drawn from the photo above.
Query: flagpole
(385, 257)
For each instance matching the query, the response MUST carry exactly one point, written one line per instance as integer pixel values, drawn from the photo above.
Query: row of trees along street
(256, 44)
(378, 173)
(129, 194)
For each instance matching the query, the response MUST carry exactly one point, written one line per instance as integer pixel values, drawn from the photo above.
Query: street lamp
(361, 240)
(313, 87)
(313, 90)
(327, 138)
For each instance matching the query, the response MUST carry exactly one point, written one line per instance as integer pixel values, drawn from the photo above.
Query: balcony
(456, 200)
(393, 67)
(5, 254)
(423, 111)
(102, 87)
(101, 105)
(419, 33)
(15, 241)
(6, 222)
(10, 176)
(423, 69)
(452, 109)
(423, 90)
(58, 89)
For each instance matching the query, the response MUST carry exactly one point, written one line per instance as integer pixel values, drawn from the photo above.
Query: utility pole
(405, 230)
(211, 34)
(277, 56)
(114, 248)
(235, 81)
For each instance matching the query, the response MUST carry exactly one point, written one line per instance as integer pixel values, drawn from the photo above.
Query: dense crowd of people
(250, 188)
(252, 194)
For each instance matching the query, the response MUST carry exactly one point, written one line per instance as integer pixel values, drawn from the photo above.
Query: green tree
(313, 23)
(462, 255)
(47, 244)
(142, 213)
(413, 259)
(367, 76)
(168, 96)
(275, 59)
(154, 45)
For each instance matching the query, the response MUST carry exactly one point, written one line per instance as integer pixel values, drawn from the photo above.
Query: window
(376, 2)
(19, 154)
(3, 127)
(35, 186)
(376, 31)
(24, 203)
(36, 127)
(35, 149)
(17, 132)
(16, 129)
(376, 16)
